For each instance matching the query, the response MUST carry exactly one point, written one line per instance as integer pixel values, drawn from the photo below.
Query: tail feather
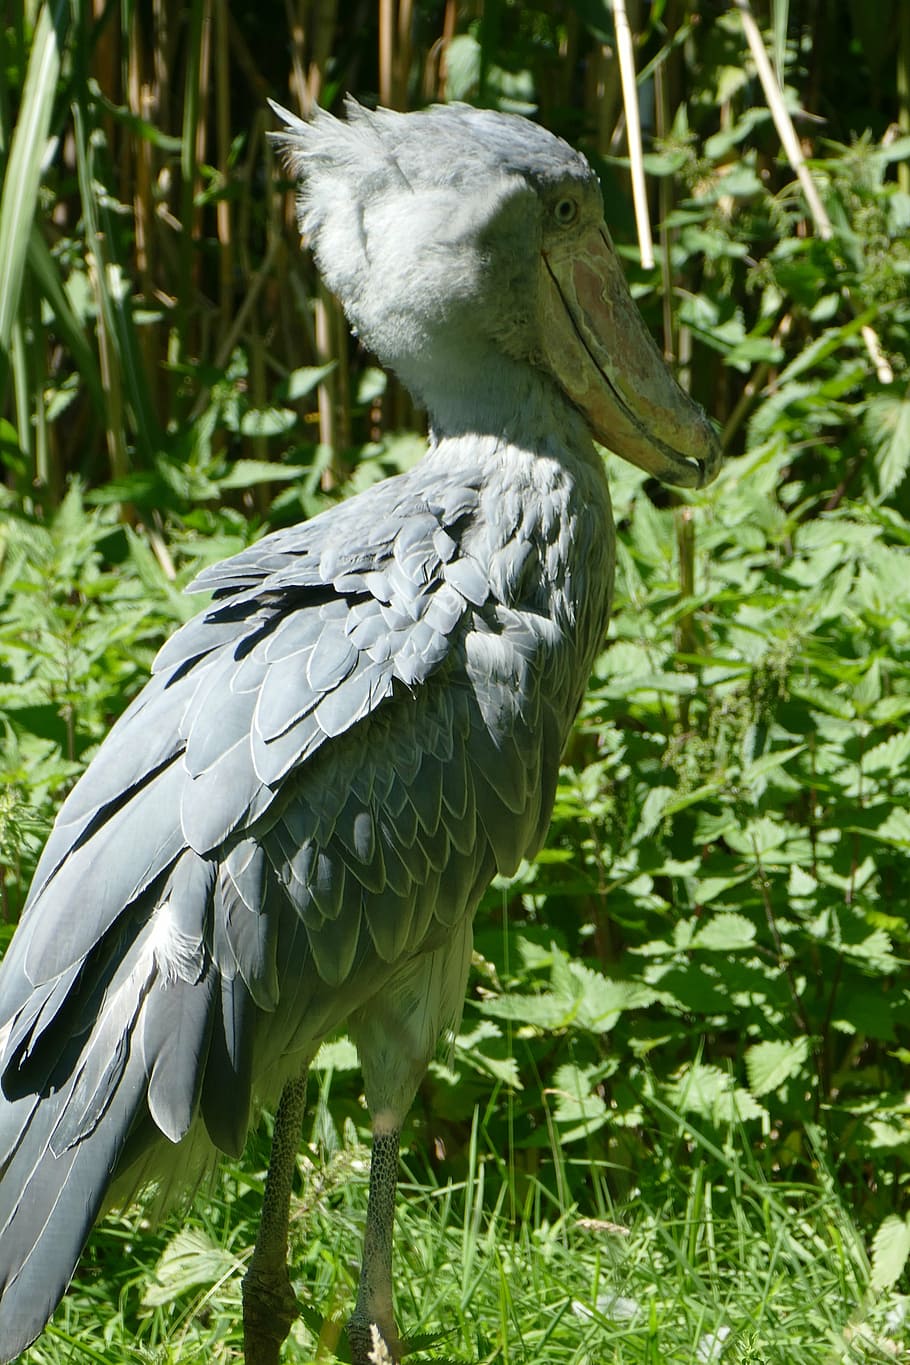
(124, 1076)
(48, 1204)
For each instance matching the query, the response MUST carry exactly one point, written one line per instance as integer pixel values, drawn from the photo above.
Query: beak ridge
(599, 350)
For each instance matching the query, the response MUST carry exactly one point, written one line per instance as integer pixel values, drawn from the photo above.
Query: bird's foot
(372, 1344)
(270, 1308)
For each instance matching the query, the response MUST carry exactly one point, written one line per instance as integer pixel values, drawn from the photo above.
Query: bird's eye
(565, 211)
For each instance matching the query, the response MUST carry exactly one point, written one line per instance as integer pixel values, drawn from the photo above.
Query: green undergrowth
(674, 1125)
(707, 1260)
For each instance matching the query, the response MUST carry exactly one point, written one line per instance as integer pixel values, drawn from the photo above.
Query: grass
(706, 1262)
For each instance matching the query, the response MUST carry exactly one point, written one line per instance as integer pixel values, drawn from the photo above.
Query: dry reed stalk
(223, 216)
(787, 134)
(603, 95)
(633, 132)
(665, 206)
(386, 45)
(434, 70)
(685, 628)
(111, 379)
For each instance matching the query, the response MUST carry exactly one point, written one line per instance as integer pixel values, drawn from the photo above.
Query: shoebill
(289, 830)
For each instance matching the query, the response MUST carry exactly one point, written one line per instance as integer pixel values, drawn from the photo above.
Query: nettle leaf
(301, 382)
(890, 756)
(822, 699)
(545, 1011)
(887, 427)
(890, 1250)
(875, 950)
(725, 932)
(602, 1001)
(190, 1259)
(760, 837)
(248, 473)
(712, 1094)
(339, 1054)
(769, 1065)
(484, 1050)
(576, 1103)
(709, 888)
(894, 829)
(267, 422)
(653, 807)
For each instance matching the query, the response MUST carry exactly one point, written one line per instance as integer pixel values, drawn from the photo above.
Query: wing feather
(328, 765)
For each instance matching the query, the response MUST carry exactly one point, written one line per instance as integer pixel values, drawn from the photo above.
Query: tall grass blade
(26, 159)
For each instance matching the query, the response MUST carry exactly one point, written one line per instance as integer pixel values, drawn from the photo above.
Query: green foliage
(779, 1281)
(676, 1112)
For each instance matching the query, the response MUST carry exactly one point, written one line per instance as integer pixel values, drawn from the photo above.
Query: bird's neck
(475, 391)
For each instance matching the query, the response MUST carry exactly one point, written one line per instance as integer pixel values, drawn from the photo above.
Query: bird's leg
(269, 1303)
(374, 1295)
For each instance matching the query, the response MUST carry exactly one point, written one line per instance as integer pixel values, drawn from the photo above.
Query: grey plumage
(290, 828)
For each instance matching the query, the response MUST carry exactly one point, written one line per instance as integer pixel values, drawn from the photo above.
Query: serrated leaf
(576, 1103)
(191, 1258)
(890, 1249)
(544, 1011)
(759, 837)
(725, 932)
(267, 422)
(247, 473)
(601, 1001)
(652, 811)
(889, 756)
(711, 1093)
(894, 829)
(887, 426)
(338, 1054)
(768, 762)
(769, 1065)
(708, 889)
(301, 382)
(876, 950)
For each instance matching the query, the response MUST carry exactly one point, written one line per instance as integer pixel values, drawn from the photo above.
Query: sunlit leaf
(771, 1064)
(890, 1250)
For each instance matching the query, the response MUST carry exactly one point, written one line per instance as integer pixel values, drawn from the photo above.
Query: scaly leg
(374, 1296)
(269, 1302)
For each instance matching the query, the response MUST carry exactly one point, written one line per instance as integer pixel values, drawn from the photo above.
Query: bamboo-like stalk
(685, 628)
(403, 52)
(787, 133)
(325, 19)
(633, 131)
(223, 216)
(297, 37)
(395, 24)
(141, 101)
(111, 378)
(665, 202)
(449, 21)
(782, 121)
(903, 87)
(189, 148)
(605, 95)
(386, 41)
(122, 367)
(323, 318)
